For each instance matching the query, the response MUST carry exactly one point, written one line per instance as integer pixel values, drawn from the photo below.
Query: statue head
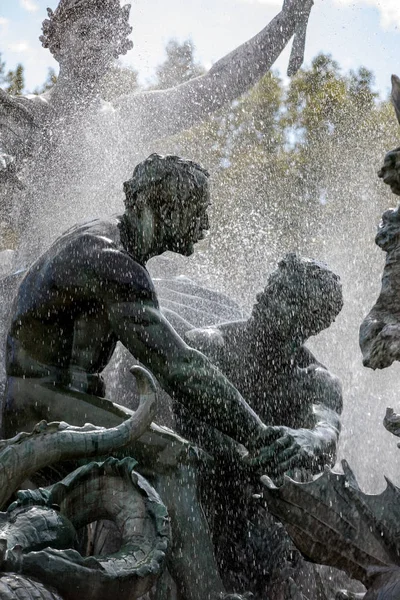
(176, 192)
(388, 235)
(85, 36)
(302, 297)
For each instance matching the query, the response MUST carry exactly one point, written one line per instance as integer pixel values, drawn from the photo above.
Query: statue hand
(274, 453)
(298, 11)
(286, 449)
(390, 171)
(299, 8)
(384, 347)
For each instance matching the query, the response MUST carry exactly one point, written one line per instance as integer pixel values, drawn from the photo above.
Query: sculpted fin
(333, 522)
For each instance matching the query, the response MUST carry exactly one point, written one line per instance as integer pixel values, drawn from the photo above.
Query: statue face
(185, 225)
(276, 312)
(88, 46)
(289, 307)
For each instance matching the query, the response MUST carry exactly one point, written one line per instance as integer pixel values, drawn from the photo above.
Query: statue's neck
(133, 240)
(74, 94)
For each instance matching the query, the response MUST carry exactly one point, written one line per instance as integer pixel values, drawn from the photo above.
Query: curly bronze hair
(152, 178)
(69, 10)
(312, 293)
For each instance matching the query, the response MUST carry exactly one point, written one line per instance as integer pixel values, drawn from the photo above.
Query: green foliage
(51, 80)
(179, 65)
(13, 81)
(118, 82)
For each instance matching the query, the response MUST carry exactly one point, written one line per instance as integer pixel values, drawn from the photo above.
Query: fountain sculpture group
(100, 501)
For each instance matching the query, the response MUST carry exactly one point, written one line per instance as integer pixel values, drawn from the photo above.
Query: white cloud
(29, 5)
(19, 47)
(388, 9)
(3, 22)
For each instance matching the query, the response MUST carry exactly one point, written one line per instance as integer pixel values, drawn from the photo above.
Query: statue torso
(60, 316)
(281, 386)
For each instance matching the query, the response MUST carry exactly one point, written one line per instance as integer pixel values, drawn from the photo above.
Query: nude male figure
(267, 361)
(90, 290)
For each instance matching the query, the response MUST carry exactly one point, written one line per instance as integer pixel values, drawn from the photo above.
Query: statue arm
(316, 382)
(315, 446)
(170, 111)
(186, 374)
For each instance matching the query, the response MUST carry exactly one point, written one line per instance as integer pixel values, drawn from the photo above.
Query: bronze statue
(267, 361)
(265, 357)
(91, 289)
(46, 140)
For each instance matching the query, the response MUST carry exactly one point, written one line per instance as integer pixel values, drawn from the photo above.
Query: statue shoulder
(101, 245)
(216, 341)
(210, 341)
(90, 256)
(205, 339)
(20, 118)
(24, 108)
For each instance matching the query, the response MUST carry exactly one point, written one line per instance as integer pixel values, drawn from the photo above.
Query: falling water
(83, 179)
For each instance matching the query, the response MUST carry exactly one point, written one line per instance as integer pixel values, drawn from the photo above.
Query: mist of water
(81, 178)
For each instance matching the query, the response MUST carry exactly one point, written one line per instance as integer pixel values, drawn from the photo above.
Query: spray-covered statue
(91, 289)
(69, 140)
(330, 519)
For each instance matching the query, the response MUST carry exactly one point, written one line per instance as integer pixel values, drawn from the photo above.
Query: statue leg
(192, 562)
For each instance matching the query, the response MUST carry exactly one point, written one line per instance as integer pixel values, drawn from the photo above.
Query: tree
(179, 65)
(15, 81)
(119, 81)
(51, 79)
(12, 81)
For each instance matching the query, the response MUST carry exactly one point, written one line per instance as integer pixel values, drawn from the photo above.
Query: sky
(355, 32)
